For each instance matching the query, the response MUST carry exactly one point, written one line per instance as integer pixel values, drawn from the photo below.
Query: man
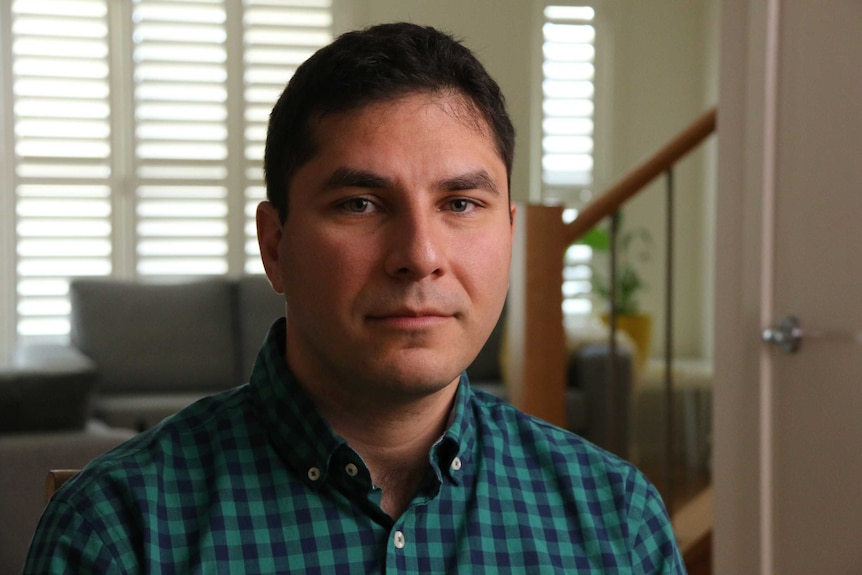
(358, 446)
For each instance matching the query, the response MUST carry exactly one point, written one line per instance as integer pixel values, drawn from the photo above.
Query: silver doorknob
(787, 335)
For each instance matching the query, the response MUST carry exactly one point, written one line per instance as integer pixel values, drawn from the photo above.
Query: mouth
(411, 319)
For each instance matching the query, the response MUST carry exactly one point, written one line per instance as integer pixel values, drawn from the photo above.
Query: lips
(408, 318)
(410, 312)
(413, 305)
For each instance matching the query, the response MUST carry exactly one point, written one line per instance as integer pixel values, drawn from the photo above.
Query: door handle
(787, 335)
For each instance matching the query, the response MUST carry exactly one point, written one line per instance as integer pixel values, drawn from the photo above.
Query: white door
(788, 427)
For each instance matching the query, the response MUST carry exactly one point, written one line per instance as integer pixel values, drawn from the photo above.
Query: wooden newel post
(536, 340)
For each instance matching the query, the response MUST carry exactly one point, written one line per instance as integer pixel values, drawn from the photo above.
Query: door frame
(743, 390)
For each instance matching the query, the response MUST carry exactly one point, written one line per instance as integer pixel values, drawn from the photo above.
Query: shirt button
(456, 464)
(351, 469)
(398, 540)
(313, 473)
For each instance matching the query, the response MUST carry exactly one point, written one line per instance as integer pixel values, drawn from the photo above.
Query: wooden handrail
(611, 200)
(536, 343)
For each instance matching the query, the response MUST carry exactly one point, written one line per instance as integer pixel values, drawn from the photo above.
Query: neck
(394, 438)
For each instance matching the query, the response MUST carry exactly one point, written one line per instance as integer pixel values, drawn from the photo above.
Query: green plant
(634, 247)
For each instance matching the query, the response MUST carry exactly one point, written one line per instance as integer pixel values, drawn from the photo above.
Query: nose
(415, 247)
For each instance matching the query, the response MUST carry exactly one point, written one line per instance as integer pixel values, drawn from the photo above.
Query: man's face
(394, 257)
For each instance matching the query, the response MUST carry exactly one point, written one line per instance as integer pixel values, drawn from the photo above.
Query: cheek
(322, 267)
(484, 274)
(487, 257)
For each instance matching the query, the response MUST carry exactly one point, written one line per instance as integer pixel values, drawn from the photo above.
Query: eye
(356, 205)
(461, 205)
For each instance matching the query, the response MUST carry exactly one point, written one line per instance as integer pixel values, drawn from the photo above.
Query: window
(137, 128)
(568, 128)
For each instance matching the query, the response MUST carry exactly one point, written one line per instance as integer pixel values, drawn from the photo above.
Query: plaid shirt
(254, 480)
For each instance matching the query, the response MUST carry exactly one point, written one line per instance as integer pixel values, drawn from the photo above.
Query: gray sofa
(157, 347)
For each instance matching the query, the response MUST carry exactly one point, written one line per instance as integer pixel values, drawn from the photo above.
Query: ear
(512, 212)
(269, 232)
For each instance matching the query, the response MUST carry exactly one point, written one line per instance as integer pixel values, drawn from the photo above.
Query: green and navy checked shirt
(254, 480)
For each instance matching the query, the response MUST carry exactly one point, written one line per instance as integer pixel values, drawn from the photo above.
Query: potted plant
(634, 248)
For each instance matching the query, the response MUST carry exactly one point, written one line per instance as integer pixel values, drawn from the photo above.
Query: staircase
(537, 343)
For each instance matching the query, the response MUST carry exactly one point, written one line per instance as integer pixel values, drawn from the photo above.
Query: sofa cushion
(33, 400)
(155, 337)
(608, 416)
(258, 307)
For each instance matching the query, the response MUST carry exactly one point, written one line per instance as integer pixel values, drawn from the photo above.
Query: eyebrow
(476, 180)
(353, 178)
(356, 178)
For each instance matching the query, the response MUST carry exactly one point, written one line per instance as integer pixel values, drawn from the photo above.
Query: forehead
(449, 109)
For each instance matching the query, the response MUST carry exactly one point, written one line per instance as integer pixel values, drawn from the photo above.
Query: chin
(423, 384)
(417, 378)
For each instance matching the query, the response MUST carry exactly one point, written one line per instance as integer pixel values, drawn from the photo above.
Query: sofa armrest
(27, 458)
(47, 388)
(607, 402)
(54, 358)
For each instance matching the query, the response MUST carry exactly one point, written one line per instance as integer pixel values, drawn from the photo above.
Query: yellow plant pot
(639, 329)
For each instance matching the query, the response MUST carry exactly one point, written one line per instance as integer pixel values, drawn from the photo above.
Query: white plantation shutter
(138, 137)
(181, 137)
(62, 154)
(568, 89)
(279, 36)
(568, 128)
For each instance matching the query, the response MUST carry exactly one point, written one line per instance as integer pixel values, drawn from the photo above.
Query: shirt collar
(455, 448)
(306, 441)
(296, 429)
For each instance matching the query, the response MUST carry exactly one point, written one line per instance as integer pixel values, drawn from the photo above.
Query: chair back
(56, 478)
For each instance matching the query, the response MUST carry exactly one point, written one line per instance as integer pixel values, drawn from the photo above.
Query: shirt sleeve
(65, 542)
(654, 549)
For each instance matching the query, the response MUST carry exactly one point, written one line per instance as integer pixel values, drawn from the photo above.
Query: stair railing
(537, 343)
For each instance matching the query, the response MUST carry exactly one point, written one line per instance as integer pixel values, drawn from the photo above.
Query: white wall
(663, 78)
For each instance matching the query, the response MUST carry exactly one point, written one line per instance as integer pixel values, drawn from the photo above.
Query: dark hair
(380, 63)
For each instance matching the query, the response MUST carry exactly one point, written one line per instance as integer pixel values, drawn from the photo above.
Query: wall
(663, 69)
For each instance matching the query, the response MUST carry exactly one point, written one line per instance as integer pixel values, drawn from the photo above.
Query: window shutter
(568, 92)
(279, 36)
(139, 129)
(567, 98)
(62, 161)
(180, 137)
